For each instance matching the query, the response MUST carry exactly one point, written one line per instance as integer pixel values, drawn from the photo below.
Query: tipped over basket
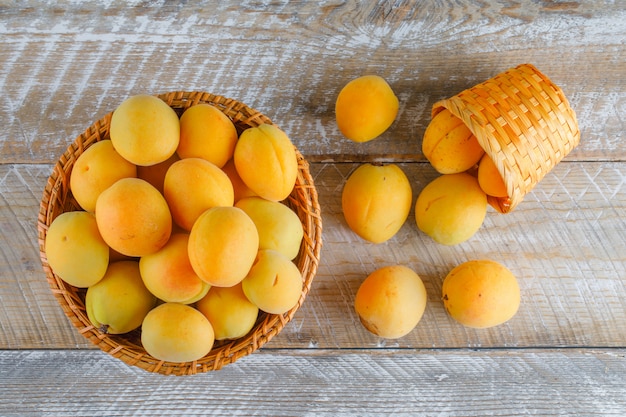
(57, 198)
(524, 123)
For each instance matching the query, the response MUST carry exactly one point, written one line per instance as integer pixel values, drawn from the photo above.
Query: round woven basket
(524, 123)
(57, 198)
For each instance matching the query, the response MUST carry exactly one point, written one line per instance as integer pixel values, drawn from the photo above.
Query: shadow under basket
(57, 198)
(524, 123)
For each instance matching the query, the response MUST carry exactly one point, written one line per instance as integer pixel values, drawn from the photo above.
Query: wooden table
(64, 65)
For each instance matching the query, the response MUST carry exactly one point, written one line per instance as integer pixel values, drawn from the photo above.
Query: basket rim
(303, 199)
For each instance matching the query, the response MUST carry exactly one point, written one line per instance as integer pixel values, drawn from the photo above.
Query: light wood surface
(64, 65)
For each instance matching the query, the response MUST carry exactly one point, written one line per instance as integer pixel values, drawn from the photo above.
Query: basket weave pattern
(524, 123)
(57, 198)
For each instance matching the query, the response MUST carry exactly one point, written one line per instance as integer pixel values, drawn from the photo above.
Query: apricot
(230, 312)
(133, 217)
(449, 145)
(119, 302)
(145, 130)
(390, 302)
(481, 294)
(223, 244)
(274, 283)
(365, 108)
(168, 274)
(193, 185)
(207, 133)
(266, 161)
(155, 174)
(95, 170)
(75, 249)
(451, 208)
(489, 178)
(177, 333)
(376, 201)
(241, 190)
(279, 227)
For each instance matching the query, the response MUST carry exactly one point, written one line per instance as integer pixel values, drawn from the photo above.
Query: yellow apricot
(145, 130)
(155, 174)
(240, 188)
(223, 244)
(230, 312)
(193, 185)
(451, 208)
(390, 302)
(119, 302)
(266, 161)
(449, 145)
(365, 108)
(168, 274)
(279, 227)
(177, 333)
(274, 283)
(95, 170)
(490, 179)
(133, 217)
(207, 133)
(376, 201)
(75, 249)
(481, 294)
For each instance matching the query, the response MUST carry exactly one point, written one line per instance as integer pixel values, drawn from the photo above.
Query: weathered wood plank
(565, 242)
(323, 383)
(65, 66)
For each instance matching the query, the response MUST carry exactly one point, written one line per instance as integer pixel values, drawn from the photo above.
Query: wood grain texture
(321, 383)
(67, 65)
(564, 243)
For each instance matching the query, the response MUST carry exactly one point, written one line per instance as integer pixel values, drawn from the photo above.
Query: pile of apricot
(179, 234)
(376, 201)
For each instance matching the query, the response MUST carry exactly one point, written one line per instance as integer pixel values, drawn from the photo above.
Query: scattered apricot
(451, 208)
(481, 294)
(365, 108)
(376, 201)
(390, 302)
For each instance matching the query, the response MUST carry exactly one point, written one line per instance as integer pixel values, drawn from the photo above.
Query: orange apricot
(365, 108)
(481, 294)
(133, 217)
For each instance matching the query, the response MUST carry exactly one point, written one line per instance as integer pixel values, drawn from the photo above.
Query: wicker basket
(524, 123)
(57, 198)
